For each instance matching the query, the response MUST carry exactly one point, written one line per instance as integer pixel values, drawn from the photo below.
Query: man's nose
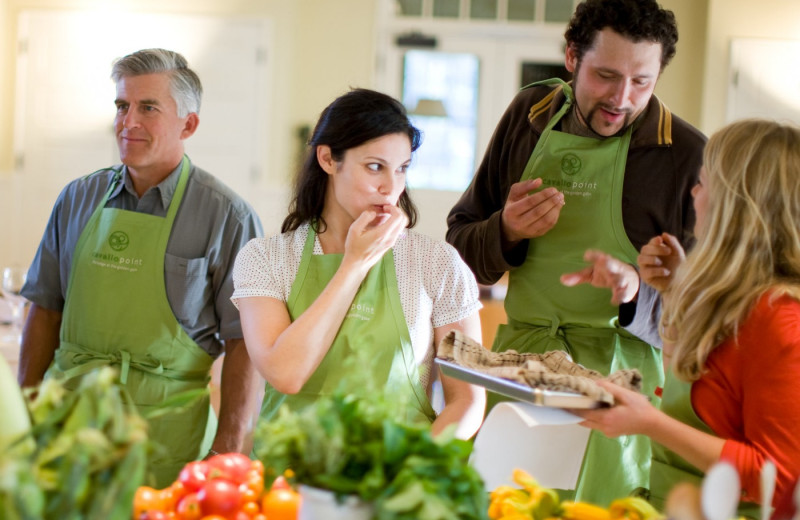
(130, 119)
(621, 92)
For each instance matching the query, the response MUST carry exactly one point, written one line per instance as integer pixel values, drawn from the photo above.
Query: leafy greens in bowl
(355, 446)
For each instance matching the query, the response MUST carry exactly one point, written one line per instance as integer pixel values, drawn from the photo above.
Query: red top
(750, 395)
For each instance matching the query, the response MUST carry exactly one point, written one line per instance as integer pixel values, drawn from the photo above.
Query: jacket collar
(653, 128)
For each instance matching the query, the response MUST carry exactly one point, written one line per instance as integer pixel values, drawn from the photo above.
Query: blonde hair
(749, 242)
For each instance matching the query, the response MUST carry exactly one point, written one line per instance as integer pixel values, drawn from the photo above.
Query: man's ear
(571, 58)
(325, 159)
(192, 120)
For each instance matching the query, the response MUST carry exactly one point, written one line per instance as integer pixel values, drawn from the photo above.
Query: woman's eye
(375, 167)
(403, 169)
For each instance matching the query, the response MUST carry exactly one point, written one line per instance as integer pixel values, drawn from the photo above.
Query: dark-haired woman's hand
(372, 234)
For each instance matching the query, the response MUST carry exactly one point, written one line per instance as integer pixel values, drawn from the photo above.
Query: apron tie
(76, 360)
(555, 324)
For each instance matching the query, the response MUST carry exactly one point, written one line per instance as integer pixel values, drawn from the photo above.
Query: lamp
(430, 108)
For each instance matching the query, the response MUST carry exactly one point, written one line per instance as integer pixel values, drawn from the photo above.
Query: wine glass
(13, 280)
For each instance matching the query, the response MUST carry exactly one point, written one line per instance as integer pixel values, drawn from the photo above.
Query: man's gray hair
(184, 82)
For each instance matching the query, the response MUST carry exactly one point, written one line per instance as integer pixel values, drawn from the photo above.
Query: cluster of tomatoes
(228, 486)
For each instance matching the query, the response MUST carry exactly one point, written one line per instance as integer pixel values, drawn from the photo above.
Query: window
(447, 81)
(550, 11)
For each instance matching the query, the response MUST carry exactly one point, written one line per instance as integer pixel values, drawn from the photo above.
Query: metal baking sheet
(516, 390)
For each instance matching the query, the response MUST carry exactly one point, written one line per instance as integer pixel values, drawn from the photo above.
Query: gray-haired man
(134, 270)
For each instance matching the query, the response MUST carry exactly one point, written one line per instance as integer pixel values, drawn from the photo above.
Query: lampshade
(429, 107)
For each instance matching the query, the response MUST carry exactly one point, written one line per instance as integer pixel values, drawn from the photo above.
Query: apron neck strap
(568, 94)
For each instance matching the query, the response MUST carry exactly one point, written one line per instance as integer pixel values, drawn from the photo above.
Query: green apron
(374, 330)
(117, 313)
(667, 468)
(545, 315)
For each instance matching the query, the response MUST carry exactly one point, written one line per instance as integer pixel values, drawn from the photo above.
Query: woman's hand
(659, 259)
(631, 414)
(372, 234)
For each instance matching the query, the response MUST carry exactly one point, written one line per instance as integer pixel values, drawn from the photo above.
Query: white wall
(681, 82)
(729, 19)
(321, 49)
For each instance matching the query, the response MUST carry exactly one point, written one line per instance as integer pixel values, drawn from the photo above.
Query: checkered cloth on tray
(552, 370)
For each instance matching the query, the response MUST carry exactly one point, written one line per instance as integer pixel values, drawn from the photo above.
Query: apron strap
(76, 360)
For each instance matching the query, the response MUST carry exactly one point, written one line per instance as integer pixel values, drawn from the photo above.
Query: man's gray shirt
(213, 223)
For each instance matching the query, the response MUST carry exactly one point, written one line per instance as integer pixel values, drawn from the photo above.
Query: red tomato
(219, 497)
(189, 507)
(280, 483)
(281, 504)
(194, 475)
(230, 466)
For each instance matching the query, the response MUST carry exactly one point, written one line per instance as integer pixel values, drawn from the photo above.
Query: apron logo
(570, 164)
(118, 241)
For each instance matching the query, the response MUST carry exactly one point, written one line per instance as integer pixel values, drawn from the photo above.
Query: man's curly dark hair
(639, 20)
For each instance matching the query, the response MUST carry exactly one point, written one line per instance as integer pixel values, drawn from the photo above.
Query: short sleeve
(451, 285)
(43, 281)
(254, 272)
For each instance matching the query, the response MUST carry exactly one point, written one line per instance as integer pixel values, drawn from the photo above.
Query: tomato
(146, 499)
(257, 466)
(178, 491)
(170, 496)
(248, 494)
(280, 483)
(229, 466)
(194, 475)
(219, 497)
(153, 515)
(251, 508)
(281, 504)
(254, 482)
(189, 507)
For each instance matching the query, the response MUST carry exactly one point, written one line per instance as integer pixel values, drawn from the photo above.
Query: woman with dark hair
(346, 297)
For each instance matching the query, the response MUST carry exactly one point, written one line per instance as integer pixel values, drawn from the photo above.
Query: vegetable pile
(534, 502)
(355, 446)
(83, 457)
(228, 486)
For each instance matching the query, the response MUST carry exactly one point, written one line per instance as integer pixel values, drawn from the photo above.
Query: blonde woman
(730, 323)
